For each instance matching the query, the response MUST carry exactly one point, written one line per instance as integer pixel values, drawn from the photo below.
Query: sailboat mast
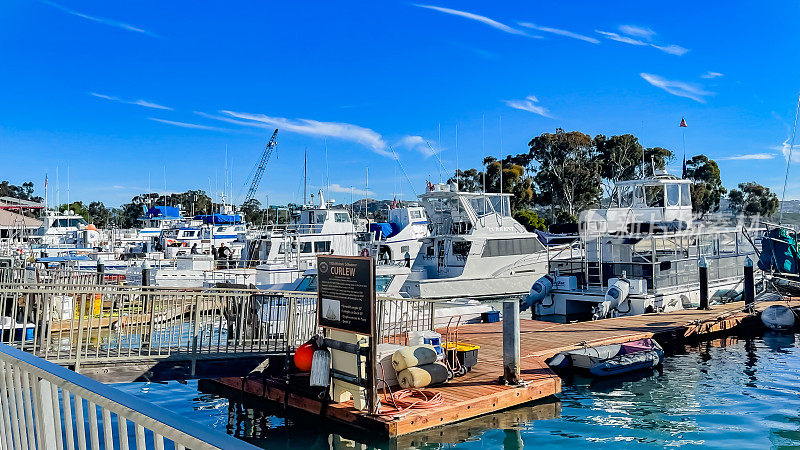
(305, 175)
(789, 159)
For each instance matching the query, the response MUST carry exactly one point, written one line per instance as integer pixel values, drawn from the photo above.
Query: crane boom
(262, 164)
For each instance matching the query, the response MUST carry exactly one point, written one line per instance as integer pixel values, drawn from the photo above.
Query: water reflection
(733, 393)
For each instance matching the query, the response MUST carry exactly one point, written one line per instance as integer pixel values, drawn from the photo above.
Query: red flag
(683, 123)
(394, 203)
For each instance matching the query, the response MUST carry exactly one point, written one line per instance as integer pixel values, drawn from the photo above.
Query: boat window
(506, 247)
(342, 217)
(415, 214)
(461, 249)
(307, 284)
(404, 249)
(320, 217)
(322, 247)
(673, 194)
(481, 206)
(305, 247)
(501, 205)
(282, 249)
(655, 196)
(382, 282)
(625, 196)
(638, 195)
(686, 195)
(239, 228)
(220, 229)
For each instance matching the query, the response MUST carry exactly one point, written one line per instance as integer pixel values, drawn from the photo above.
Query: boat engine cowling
(615, 295)
(541, 289)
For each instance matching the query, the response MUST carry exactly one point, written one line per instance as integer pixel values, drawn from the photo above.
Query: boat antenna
(789, 160)
(402, 169)
(327, 170)
(501, 158)
(68, 186)
(458, 184)
(483, 151)
(58, 192)
(305, 175)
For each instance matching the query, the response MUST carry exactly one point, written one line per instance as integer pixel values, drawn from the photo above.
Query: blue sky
(119, 92)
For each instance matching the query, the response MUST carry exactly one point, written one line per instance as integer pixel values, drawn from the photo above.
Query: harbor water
(729, 393)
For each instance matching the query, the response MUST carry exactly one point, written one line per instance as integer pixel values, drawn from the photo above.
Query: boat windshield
(307, 284)
(382, 282)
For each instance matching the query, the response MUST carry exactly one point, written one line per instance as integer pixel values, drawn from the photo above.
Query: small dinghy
(609, 360)
(778, 318)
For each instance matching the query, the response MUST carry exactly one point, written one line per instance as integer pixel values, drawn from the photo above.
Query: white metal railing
(46, 406)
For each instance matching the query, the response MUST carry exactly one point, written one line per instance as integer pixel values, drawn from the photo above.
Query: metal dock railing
(46, 406)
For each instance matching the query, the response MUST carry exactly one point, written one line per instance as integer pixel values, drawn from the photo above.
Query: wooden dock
(479, 392)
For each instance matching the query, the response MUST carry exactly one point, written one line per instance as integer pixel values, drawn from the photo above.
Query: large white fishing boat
(476, 249)
(285, 253)
(641, 255)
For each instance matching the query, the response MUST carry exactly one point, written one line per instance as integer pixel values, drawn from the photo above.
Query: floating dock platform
(480, 392)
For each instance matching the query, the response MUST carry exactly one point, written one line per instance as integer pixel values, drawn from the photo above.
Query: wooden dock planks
(479, 392)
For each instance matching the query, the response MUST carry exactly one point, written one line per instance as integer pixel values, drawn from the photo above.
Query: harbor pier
(481, 390)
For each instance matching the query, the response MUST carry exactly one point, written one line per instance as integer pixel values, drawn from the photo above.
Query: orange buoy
(303, 357)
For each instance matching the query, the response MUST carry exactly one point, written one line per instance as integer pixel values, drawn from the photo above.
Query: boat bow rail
(46, 406)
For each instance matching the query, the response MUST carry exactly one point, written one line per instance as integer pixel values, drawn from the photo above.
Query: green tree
(252, 211)
(98, 213)
(78, 208)
(530, 220)
(707, 190)
(753, 199)
(568, 179)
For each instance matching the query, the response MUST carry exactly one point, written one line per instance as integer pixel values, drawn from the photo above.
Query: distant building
(17, 226)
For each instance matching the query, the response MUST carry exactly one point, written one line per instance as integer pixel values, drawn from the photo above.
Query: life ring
(365, 252)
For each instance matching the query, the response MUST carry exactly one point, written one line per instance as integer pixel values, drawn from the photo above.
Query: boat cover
(385, 229)
(778, 252)
(219, 218)
(163, 212)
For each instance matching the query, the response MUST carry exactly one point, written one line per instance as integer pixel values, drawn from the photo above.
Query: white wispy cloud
(529, 104)
(640, 32)
(350, 190)
(345, 131)
(676, 50)
(751, 156)
(101, 20)
(619, 38)
(193, 126)
(144, 103)
(419, 144)
(559, 32)
(710, 74)
(482, 19)
(786, 147)
(679, 88)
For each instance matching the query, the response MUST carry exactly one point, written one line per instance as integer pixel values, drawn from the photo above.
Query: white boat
(476, 249)
(399, 239)
(641, 255)
(285, 253)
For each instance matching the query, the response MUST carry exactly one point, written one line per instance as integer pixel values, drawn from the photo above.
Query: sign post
(346, 310)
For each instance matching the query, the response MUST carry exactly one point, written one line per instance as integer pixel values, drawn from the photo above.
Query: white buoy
(321, 368)
(778, 318)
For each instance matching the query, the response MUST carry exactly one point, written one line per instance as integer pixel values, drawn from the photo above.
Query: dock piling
(511, 352)
(702, 267)
(749, 285)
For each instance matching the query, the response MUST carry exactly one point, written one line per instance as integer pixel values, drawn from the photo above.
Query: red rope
(414, 398)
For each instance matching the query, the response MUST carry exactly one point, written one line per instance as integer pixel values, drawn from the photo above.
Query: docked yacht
(285, 253)
(475, 249)
(400, 238)
(641, 255)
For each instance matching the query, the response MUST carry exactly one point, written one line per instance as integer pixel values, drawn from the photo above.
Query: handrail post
(79, 347)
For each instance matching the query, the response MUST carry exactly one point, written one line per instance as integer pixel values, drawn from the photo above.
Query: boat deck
(480, 392)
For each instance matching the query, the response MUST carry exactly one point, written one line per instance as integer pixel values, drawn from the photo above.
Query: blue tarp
(166, 212)
(219, 218)
(386, 230)
(779, 252)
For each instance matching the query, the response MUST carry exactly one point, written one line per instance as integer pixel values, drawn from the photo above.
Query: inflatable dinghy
(609, 360)
(778, 318)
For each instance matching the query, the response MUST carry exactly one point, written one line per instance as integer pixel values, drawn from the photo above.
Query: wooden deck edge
(545, 385)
